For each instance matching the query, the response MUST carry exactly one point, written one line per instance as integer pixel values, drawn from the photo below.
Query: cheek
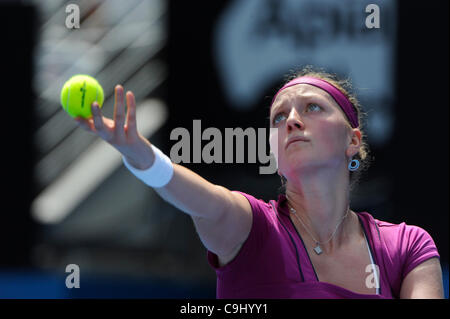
(329, 136)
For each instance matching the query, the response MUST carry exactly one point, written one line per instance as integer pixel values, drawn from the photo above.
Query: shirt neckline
(282, 207)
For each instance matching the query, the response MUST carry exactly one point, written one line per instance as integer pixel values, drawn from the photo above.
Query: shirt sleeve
(419, 248)
(253, 241)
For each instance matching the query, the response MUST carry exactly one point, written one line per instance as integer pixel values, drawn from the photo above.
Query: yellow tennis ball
(78, 94)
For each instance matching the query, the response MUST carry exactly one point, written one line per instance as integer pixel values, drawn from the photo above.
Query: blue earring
(353, 165)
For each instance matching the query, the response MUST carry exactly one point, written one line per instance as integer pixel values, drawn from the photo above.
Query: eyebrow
(308, 96)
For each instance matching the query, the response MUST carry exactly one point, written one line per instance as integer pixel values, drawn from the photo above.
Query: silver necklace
(318, 249)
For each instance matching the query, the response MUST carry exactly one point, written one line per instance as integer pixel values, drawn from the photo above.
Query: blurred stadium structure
(118, 43)
(90, 211)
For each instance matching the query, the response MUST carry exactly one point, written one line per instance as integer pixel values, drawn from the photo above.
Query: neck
(321, 204)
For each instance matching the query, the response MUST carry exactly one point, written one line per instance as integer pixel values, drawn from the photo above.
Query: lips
(296, 139)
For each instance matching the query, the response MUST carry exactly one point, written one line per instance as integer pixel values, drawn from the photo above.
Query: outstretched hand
(121, 131)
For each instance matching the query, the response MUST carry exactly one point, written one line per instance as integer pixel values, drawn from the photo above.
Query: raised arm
(424, 281)
(222, 218)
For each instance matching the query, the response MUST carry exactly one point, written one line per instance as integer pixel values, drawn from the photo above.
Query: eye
(278, 118)
(314, 106)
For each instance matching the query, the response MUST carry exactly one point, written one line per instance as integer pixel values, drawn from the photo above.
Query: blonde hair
(345, 86)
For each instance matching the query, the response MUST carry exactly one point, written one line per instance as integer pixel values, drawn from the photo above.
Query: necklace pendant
(317, 249)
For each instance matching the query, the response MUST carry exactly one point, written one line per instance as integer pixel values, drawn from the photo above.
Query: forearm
(185, 189)
(193, 194)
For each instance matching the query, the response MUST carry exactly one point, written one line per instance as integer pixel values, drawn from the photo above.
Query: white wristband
(157, 175)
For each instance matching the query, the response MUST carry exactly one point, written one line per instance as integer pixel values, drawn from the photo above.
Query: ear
(354, 143)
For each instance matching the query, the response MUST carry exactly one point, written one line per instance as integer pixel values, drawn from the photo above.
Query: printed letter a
(73, 19)
(73, 280)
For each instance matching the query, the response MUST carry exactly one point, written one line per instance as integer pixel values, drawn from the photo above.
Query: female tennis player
(307, 243)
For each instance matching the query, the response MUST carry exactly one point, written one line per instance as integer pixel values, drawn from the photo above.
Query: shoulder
(265, 215)
(261, 226)
(260, 208)
(408, 237)
(255, 203)
(401, 232)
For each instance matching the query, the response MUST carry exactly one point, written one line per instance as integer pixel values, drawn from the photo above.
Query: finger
(131, 114)
(98, 121)
(119, 112)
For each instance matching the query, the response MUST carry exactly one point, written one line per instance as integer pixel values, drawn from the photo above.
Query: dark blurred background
(67, 198)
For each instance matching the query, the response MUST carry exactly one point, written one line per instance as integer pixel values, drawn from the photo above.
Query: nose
(293, 121)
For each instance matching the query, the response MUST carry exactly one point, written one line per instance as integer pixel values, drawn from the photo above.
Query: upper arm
(223, 218)
(225, 234)
(424, 281)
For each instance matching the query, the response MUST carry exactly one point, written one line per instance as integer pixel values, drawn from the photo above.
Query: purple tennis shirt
(274, 263)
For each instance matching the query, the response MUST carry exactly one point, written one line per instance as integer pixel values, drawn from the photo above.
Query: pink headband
(337, 95)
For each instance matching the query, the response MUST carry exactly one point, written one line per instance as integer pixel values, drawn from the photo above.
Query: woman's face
(306, 112)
